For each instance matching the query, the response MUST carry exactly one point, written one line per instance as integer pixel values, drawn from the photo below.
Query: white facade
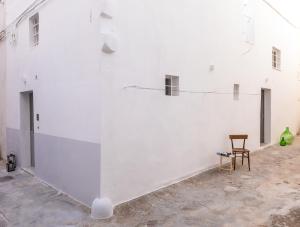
(63, 74)
(106, 128)
(151, 140)
(2, 81)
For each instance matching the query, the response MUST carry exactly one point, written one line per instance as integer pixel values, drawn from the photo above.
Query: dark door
(262, 117)
(31, 109)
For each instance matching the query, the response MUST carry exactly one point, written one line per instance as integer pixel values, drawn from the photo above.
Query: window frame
(236, 92)
(276, 59)
(172, 85)
(34, 30)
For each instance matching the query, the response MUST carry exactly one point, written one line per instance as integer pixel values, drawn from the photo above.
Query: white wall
(288, 8)
(14, 8)
(2, 84)
(67, 67)
(151, 140)
(63, 73)
(2, 15)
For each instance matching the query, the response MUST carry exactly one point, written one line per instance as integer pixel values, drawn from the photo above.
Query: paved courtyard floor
(269, 195)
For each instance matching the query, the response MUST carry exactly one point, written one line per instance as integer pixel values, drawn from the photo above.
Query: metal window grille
(34, 29)
(172, 85)
(236, 91)
(276, 58)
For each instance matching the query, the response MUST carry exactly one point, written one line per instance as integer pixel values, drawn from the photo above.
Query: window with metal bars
(276, 58)
(172, 85)
(34, 29)
(236, 92)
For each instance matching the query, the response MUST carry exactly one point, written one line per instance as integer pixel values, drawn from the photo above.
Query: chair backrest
(238, 137)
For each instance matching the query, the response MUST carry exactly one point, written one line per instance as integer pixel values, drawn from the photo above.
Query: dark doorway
(31, 113)
(262, 117)
(27, 151)
(265, 117)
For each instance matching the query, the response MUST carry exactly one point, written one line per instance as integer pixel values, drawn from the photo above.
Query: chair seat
(240, 150)
(225, 154)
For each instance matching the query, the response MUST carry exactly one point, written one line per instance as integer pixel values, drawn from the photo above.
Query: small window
(34, 29)
(276, 58)
(236, 91)
(172, 85)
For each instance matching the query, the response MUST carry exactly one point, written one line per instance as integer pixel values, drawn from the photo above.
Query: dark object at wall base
(11, 164)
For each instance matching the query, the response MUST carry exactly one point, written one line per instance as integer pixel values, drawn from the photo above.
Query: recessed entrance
(27, 130)
(265, 117)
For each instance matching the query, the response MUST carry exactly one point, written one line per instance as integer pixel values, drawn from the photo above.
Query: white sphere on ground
(102, 208)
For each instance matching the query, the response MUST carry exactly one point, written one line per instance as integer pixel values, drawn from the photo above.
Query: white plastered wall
(2, 84)
(151, 140)
(63, 73)
(66, 57)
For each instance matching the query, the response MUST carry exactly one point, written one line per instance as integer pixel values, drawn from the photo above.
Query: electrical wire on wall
(33, 6)
(280, 14)
(137, 87)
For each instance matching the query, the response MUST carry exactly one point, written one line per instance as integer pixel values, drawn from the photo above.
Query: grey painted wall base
(71, 166)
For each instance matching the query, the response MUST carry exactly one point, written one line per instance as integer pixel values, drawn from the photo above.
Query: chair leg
(234, 166)
(242, 159)
(249, 161)
(221, 162)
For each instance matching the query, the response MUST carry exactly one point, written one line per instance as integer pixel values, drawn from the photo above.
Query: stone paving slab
(269, 195)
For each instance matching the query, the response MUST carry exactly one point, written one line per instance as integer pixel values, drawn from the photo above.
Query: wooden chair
(240, 152)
